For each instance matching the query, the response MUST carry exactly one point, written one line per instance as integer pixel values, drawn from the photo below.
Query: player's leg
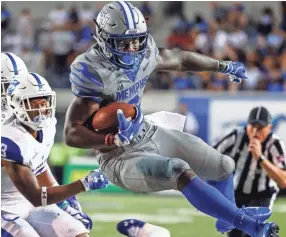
(51, 221)
(138, 228)
(15, 226)
(149, 172)
(143, 172)
(207, 163)
(217, 169)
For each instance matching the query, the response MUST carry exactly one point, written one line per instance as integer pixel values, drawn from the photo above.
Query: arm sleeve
(86, 82)
(226, 144)
(278, 153)
(41, 169)
(11, 151)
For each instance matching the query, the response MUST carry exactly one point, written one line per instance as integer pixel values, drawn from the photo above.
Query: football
(105, 119)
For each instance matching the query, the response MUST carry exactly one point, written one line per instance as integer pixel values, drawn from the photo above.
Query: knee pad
(176, 167)
(227, 166)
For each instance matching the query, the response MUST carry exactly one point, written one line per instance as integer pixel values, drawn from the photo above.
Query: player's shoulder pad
(85, 78)
(11, 151)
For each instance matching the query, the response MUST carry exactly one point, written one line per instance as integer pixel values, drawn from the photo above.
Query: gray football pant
(157, 157)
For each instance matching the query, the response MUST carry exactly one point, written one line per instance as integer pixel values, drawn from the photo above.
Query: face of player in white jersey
(32, 101)
(39, 109)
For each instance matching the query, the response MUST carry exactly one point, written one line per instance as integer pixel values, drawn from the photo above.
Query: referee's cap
(259, 115)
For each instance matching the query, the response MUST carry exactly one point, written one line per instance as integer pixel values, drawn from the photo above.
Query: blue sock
(225, 187)
(209, 200)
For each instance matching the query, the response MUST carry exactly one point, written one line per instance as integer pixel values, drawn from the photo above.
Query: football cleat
(130, 227)
(258, 213)
(268, 229)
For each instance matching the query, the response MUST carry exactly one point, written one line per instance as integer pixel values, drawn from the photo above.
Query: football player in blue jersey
(141, 156)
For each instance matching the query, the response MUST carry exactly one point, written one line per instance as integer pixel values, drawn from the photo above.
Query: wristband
(261, 158)
(44, 196)
(222, 65)
(85, 184)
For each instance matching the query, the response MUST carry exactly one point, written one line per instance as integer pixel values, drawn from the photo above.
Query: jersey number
(3, 150)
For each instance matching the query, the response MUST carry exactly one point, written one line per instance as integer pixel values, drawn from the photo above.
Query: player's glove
(94, 180)
(128, 129)
(235, 70)
(72, 207)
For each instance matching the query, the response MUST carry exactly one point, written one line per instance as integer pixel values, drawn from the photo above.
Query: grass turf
(172, 212)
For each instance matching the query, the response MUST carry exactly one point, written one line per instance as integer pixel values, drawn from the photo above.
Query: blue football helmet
(122, 34)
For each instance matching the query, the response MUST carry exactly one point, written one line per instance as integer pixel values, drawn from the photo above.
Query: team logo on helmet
(12, 86)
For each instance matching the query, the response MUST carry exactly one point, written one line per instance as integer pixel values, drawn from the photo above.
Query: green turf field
(171, 212)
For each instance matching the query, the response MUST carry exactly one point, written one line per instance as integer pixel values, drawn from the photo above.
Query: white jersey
(19, 146)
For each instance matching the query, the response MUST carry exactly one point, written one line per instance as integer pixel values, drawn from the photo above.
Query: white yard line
(162, 215)
(161, 219)
(279, 208)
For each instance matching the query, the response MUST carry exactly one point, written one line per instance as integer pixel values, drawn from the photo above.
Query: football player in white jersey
(11, 68)
(14, 68)
(29, 191)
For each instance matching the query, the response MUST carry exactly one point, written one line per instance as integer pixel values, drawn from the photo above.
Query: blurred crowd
(49, 45)
(231, 33)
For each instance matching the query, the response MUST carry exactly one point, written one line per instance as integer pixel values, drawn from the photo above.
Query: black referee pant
(249, 201)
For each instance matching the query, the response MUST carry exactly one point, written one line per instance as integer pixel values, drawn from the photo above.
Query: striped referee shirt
(249, 176)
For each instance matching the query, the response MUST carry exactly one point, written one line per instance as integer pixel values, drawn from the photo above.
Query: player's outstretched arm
(27, 183)
(76, 134)
(177, 60)
(70, 205)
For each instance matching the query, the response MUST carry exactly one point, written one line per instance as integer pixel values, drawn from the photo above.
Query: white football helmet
(21, 92)
(121, 22)
(11, 68)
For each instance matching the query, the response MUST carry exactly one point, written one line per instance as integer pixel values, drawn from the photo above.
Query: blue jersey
(93, 76)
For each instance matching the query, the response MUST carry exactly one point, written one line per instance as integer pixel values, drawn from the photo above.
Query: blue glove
(235, 70)
(128, 129)
(94, 180)
(75, 213)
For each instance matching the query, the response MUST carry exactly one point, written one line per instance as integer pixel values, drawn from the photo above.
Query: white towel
(167, 120)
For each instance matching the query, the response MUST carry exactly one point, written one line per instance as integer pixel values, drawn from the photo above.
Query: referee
(260, 159)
